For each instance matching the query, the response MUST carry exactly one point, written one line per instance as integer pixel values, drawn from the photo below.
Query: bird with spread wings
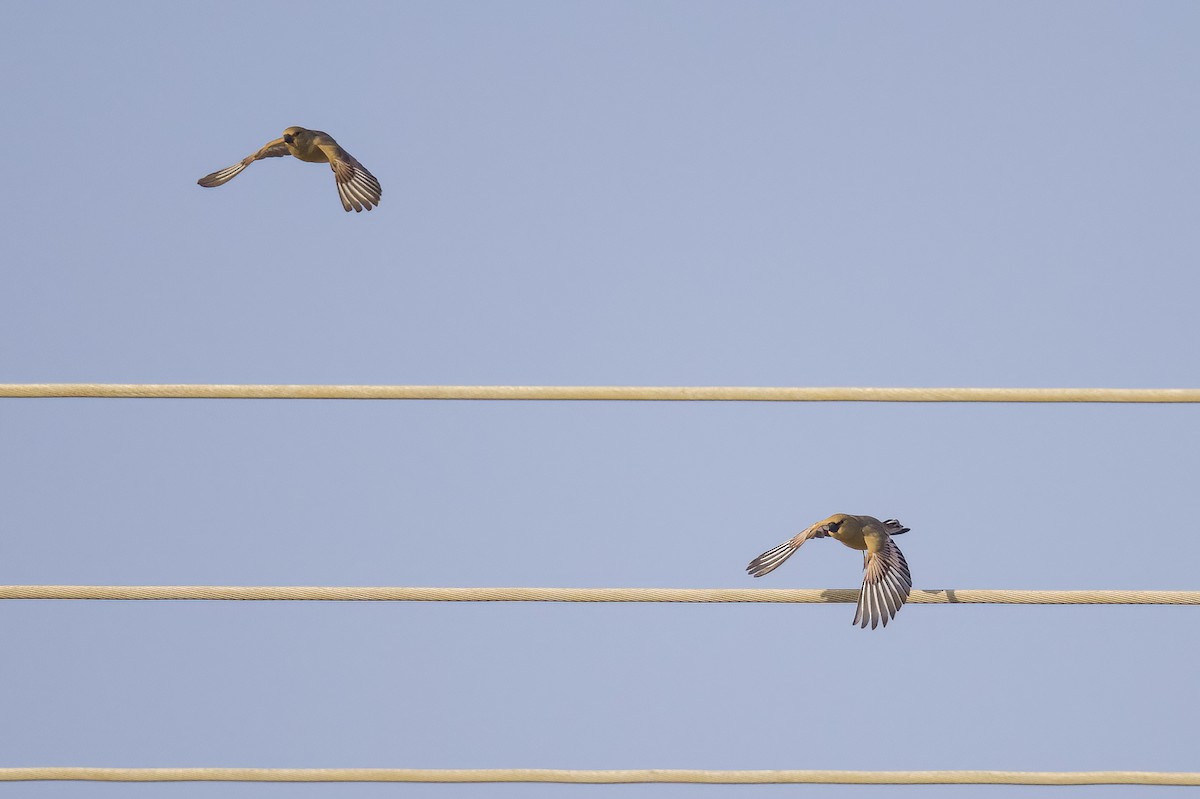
(357, 187)
(886, 579)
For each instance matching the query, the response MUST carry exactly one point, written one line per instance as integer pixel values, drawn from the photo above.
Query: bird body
(357, 188)
(886, 578)
(306, 145)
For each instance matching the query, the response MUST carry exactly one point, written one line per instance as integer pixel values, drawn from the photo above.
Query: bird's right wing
(886, 585)
(770, 560)
(272, 149)
(357, 188)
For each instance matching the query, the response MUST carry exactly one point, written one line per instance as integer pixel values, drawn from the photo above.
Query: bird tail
(770, 560)
(222, 176)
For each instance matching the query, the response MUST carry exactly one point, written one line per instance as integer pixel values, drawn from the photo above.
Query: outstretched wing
(886, 585)
(770, 560)
(357, 188)
(272, 149)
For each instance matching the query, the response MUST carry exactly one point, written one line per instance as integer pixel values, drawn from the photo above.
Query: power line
(609, 393)
(602, 776)
(941, 596)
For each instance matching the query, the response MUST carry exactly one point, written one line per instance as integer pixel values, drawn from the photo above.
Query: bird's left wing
(770, 560)
(272, 149)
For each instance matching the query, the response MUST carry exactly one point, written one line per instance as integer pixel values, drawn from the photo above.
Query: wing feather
(272, 149)
(357, 188)
(773, 558)
(887, 583)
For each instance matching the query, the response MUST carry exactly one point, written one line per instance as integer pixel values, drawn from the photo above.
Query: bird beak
(903, 530)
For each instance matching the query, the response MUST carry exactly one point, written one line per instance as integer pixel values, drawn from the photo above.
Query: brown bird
(357, 187)
(886, 579)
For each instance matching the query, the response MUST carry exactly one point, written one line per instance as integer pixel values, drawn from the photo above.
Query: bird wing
(357, 188)
(770, 560)
(272, 149)
(886, 585)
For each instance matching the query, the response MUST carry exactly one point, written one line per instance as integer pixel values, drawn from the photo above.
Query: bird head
(831, 526)
(894, 527)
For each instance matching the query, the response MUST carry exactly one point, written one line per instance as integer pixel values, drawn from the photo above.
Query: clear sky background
(647, 193)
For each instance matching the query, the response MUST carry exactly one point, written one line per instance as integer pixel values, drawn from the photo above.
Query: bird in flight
(886, 579)
(357, 187)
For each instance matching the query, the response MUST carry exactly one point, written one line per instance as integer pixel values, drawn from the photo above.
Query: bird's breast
(850, 538)
(310, 153)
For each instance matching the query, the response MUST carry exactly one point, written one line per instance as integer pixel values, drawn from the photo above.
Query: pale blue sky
(598, 193)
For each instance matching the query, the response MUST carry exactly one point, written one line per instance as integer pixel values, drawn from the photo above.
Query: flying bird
(357, 187)
(886, 579)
